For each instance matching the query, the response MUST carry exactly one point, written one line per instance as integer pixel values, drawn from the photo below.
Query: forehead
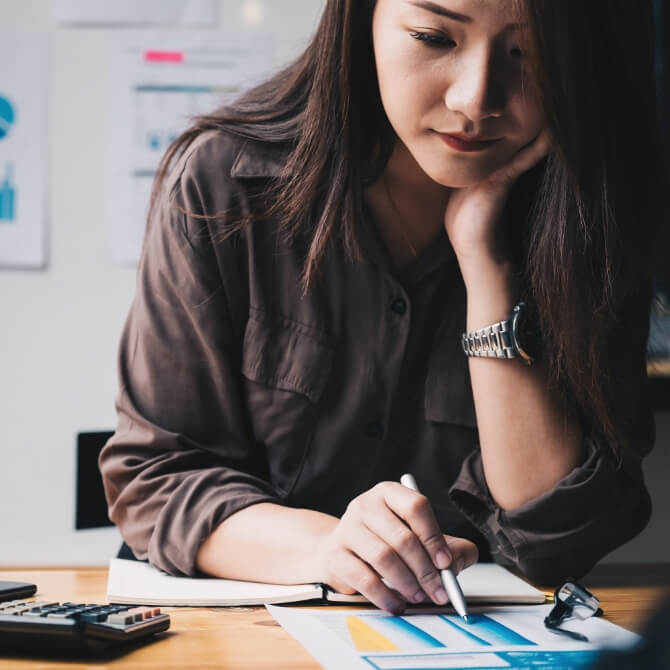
(469, 12)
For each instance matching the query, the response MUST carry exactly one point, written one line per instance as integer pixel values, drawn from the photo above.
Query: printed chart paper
(158, 84)
(501, 637)
(189, 12)
(22, 154)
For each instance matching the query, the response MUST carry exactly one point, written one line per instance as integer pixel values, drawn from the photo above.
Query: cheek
(403, 80)
(406, 97)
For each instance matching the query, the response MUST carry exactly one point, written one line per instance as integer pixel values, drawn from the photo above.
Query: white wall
(60, 327)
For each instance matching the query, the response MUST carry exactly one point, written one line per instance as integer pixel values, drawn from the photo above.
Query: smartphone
(16, 590)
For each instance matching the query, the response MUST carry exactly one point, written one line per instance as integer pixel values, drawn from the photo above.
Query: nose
(476, 90)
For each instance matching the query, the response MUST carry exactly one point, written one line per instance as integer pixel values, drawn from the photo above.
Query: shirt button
(374, 429)
(399, 306)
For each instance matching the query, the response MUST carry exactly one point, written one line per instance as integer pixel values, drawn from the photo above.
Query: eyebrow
(443, 11)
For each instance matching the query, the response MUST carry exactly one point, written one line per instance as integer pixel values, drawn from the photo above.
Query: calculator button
(137, 613)
(92, 617)
(122, 619)
(59, 615)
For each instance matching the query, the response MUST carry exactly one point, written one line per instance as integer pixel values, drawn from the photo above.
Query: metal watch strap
(493, 341)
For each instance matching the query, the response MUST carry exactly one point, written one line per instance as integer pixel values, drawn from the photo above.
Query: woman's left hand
(473, 211)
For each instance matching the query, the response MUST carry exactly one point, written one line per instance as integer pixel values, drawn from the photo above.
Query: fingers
(387, 562)
(418, 575)
(524, 159)
(464, 553)
(358, 574)
(404, 521)
(389, 547)
(415, 510)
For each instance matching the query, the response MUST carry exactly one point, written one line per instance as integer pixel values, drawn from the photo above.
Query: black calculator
(39, 627)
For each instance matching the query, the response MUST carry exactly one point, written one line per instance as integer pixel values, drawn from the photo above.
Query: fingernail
(419, 596)
(441, 596)
(441, 560)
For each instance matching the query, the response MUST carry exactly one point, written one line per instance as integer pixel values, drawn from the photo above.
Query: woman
(313, 256)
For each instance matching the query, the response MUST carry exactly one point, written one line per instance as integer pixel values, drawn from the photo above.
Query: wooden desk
(248, 637)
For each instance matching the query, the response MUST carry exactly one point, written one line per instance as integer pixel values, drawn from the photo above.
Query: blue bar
(405, 627)
(6, 201)
(174, 88)
(486, 631)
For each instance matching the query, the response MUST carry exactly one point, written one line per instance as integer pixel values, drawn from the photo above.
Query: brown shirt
(236, 389)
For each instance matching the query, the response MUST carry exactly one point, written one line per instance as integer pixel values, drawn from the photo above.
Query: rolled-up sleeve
(181, 460)
(564, 532)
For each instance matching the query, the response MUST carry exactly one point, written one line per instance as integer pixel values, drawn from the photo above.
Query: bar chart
(496, 637)
(8, 196)
(425, 632)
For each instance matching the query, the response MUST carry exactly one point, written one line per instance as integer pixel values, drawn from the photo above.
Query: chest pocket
(286, 366)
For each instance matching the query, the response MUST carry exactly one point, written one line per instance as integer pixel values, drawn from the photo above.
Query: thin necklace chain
(403, 222)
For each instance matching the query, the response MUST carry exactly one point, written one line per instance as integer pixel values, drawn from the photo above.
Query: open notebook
(137, 583)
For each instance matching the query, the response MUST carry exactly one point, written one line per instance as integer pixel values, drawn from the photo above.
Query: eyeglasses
(572, 600)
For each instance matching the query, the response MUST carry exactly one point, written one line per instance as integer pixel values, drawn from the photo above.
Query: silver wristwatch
(518, 336)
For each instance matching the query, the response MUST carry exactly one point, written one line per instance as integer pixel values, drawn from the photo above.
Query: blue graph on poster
(8, 196)
(6, 117)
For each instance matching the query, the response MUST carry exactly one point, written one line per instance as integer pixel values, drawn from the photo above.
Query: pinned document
(22, 152)
(158, 84)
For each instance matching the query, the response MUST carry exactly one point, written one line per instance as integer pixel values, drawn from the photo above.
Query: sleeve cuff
(189, 519)
(563, 531)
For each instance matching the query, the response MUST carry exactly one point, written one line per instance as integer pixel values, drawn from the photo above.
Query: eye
(516, 52)
(433, 40)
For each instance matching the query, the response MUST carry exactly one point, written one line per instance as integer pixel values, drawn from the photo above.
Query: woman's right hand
(390, 533)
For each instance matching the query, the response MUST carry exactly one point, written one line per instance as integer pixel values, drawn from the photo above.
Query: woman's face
(454, 67)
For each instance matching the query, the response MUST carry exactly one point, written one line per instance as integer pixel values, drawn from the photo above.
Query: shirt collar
(263, 160)
(256, 159)
(435, 257)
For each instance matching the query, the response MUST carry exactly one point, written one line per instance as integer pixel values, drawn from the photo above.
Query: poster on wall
(127, 12)
(157, 85)
(22, 155)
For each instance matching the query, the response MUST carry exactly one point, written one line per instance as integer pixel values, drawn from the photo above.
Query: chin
(455, 171)
(458, 177)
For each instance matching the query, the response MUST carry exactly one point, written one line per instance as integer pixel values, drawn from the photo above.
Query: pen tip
(466, 618)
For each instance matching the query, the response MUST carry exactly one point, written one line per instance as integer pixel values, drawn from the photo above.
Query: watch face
(526, 331)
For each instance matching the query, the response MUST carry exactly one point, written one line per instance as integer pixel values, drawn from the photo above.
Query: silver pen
(449, 581)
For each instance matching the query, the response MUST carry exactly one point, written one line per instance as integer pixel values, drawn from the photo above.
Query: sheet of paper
(157, 84)
(133, 11)
(22, 151)
(501, 637)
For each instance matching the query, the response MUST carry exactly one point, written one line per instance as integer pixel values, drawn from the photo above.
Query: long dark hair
(584, 219)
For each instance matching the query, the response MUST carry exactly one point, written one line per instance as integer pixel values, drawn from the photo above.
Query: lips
(462, 142)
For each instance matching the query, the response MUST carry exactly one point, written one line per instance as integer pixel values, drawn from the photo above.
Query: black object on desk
(91, 506)
(12, 590)
(39, 628)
